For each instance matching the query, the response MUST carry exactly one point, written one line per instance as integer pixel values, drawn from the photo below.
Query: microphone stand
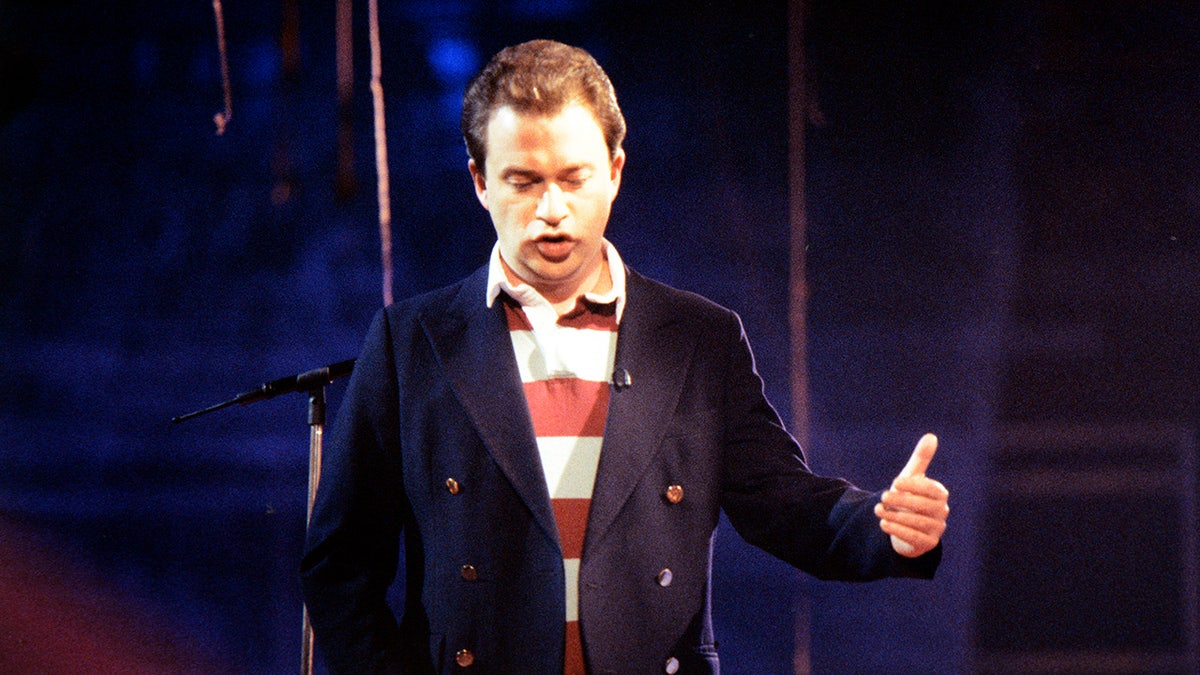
(313, 382)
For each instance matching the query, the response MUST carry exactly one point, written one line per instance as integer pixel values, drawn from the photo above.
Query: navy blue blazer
(433, 456)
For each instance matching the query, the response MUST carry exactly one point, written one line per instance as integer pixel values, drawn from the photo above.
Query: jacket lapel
(472, 343)
(655, 350)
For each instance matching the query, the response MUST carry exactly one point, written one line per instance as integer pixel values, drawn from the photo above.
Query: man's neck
(566, 300)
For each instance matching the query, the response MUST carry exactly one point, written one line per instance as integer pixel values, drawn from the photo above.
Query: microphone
(621, 379)
(306, 381)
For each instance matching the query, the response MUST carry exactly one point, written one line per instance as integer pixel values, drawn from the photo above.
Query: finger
(914, 492)
(908, 543)
(933, 505)
(933, 525)
(921, 456)
(903, 547)
(911, 541)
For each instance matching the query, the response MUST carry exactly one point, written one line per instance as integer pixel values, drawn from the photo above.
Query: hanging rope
(345, 182)
(222, 118)
(381, 163)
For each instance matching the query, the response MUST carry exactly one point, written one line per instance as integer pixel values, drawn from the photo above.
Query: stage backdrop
(1002, 249)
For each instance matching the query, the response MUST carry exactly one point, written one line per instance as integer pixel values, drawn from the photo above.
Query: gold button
(674, 493)
(464, 658)
(452, 486)
(469, 572)
(665, 577)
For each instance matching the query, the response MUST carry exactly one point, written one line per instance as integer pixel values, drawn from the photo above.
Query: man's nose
(552, 208)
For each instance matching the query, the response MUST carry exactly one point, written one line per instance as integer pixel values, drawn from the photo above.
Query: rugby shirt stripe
(567, 407)
(571, 515)
(583, 354)
(567, 463)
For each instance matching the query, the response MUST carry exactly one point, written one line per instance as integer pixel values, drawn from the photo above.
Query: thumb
(921, 456)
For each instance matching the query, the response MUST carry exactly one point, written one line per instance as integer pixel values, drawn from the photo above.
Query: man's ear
(617, 166)
(480, 182)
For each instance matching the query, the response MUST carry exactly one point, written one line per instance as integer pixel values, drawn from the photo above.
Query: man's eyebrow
(574, 170)
(515, 171)
(522, 172)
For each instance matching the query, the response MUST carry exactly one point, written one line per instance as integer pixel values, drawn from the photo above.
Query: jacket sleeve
(824, 526)
(352, 544)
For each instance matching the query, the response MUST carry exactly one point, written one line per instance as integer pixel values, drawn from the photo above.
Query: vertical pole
(316, 424)
(222, 118)
(345, 183)
(282, 168)
(798, 284)
(798, 219)
(381, 161)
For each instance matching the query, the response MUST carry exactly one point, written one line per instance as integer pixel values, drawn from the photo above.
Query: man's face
(549, 187)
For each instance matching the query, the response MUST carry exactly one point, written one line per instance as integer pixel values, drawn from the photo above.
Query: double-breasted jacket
(432, 471)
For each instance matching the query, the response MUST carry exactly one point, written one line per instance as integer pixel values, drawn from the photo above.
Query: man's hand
(915, 509)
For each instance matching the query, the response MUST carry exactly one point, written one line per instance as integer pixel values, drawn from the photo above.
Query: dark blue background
(1003, 210)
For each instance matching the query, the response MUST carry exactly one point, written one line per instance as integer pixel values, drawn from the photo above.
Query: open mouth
(554, 247)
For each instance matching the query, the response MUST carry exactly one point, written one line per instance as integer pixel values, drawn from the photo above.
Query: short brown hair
(539, 77)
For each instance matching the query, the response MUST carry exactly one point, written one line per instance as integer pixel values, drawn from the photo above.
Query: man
(555, 435)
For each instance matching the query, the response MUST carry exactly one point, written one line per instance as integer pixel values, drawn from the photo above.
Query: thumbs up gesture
(915, 509)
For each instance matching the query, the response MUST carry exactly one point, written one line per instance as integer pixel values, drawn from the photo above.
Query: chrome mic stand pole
(313, 382)
(316, 425)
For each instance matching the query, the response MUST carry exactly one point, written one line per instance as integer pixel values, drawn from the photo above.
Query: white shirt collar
(528, 296)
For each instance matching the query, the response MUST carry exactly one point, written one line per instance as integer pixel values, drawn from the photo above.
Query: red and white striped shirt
(565, 364)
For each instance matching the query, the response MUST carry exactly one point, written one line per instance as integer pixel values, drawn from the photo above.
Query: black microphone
(306, 381)
(621, 379)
